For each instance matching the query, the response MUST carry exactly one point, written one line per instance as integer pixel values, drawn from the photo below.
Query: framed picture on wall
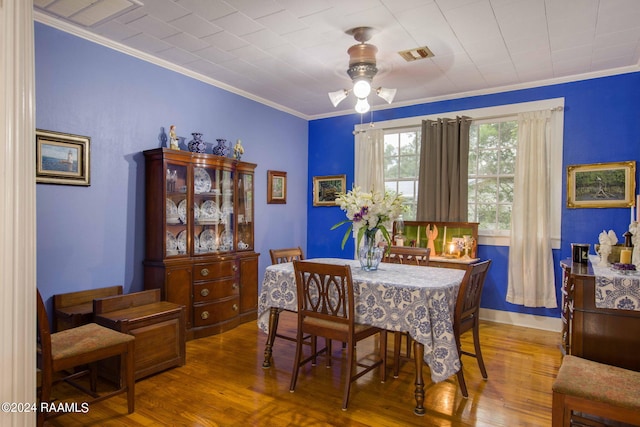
(326, 189)
(276, 187)
(601, 185)
(62, 158)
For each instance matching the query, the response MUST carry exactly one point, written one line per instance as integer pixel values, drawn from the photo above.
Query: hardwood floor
(224, 384)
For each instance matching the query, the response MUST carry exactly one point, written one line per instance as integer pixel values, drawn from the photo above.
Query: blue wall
(601, 124)
(90, 237)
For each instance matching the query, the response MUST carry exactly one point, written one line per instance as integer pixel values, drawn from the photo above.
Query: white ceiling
(290, 53)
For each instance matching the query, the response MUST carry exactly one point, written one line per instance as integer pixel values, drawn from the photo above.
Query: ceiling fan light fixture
(361, 88)
(338, 96)
(362, 106)
(386, 94)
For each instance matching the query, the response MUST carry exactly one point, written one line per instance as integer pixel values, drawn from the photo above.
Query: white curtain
(17, 210)
(369, 160)
(531, 276)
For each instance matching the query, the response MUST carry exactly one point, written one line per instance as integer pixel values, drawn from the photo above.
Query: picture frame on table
(601, 185)
(327, 188)
(62, 158)
(276, 187)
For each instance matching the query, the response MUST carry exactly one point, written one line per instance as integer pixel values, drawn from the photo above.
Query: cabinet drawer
(214, 270)
(211, 313)
(216, 289)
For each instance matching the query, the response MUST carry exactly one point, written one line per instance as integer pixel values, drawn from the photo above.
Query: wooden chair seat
(586, 388)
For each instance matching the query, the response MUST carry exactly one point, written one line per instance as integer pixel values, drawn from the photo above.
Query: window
(492, 160)
(401, 165)
(492, 157)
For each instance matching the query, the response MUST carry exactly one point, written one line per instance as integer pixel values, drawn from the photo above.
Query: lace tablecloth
(414, 299)
(615, 289)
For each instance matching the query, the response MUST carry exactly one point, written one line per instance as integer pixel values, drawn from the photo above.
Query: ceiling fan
(362, 69)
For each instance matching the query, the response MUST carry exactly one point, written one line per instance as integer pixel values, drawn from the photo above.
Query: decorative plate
(209, 212)
(201, 180)
(182, 211)
(172, 212)
(208, 241)
(181, 241)
(172, 244)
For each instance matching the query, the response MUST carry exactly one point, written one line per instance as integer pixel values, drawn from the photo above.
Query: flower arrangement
(368, 212)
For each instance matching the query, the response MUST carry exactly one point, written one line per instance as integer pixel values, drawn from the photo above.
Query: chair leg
(383, 355)
(314, 350)
(397, 338)
(327, 343)
(476, 344)
(45, 393)
(349, 375)
(128, 360)
(298, 358)
(463, 384)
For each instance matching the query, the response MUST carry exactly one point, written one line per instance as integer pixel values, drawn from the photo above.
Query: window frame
(557, 177)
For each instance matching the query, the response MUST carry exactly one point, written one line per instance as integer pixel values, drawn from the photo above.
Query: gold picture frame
(276, 187)
(62, 158)
(326, 189)
(601, 185)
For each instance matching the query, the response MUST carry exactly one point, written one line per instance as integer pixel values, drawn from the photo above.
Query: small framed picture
(601, 185)
(276, 187)
(62, 158)
(327, 188)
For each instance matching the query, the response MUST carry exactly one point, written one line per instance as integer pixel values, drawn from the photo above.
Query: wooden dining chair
(466, 316)
(404, 255)
(280, 256)
(326, 309)
(62, 352)
(407, 255)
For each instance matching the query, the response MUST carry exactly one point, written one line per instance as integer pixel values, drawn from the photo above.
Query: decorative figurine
(432, 234)
(238, 151)
(607, 241)
(173, 138)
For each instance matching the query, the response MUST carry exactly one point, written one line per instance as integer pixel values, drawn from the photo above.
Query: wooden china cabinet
(200, 237)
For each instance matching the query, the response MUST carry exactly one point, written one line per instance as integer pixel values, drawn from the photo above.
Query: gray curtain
(444, 167)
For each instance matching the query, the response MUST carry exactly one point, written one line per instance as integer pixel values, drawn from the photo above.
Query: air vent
(415, 54)
(87, 13)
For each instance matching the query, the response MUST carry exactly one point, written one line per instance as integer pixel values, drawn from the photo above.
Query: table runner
(615, 290)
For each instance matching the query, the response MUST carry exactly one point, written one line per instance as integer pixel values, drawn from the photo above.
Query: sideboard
(610, 336)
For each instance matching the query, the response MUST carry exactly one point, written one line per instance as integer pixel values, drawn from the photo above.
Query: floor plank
(224, 384)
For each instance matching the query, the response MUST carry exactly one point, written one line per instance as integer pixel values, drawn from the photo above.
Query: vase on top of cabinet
(200, 237)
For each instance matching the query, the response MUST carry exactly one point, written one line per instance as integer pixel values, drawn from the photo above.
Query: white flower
(368, 211)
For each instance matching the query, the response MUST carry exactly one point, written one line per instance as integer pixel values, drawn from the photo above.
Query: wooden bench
(74, 309)
(585, 390)
(157, 325)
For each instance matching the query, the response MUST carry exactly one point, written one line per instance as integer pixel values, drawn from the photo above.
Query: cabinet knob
(205, 315)
(204, 292)
(204, 271)
(235, 307)
(234, 268)
(234, 286)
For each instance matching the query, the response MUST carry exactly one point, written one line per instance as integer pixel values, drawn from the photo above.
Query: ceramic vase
(197, 145)
(221, 149)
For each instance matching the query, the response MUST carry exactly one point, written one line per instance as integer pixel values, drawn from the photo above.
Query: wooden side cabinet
(609, 336)
(200, 238)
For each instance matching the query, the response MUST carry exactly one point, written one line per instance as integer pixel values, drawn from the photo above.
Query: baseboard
(553, 324)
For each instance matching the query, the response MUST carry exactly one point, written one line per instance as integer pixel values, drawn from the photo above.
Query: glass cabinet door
(176, 216)
(213, 210)
(245, 211)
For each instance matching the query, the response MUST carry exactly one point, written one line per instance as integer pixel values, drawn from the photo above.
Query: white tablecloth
(396, 297)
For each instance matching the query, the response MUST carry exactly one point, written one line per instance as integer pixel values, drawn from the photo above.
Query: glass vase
(370, 254)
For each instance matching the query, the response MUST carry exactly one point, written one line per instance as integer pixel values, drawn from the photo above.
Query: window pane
(506, 190)
(401, 165)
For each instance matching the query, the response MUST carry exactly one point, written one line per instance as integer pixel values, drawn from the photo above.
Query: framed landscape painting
(326, 189)
(601, 185)
(62, 158)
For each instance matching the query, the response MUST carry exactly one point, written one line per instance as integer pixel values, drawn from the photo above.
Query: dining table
(419, 300)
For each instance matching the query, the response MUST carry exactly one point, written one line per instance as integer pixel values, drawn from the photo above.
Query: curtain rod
(500, 116)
